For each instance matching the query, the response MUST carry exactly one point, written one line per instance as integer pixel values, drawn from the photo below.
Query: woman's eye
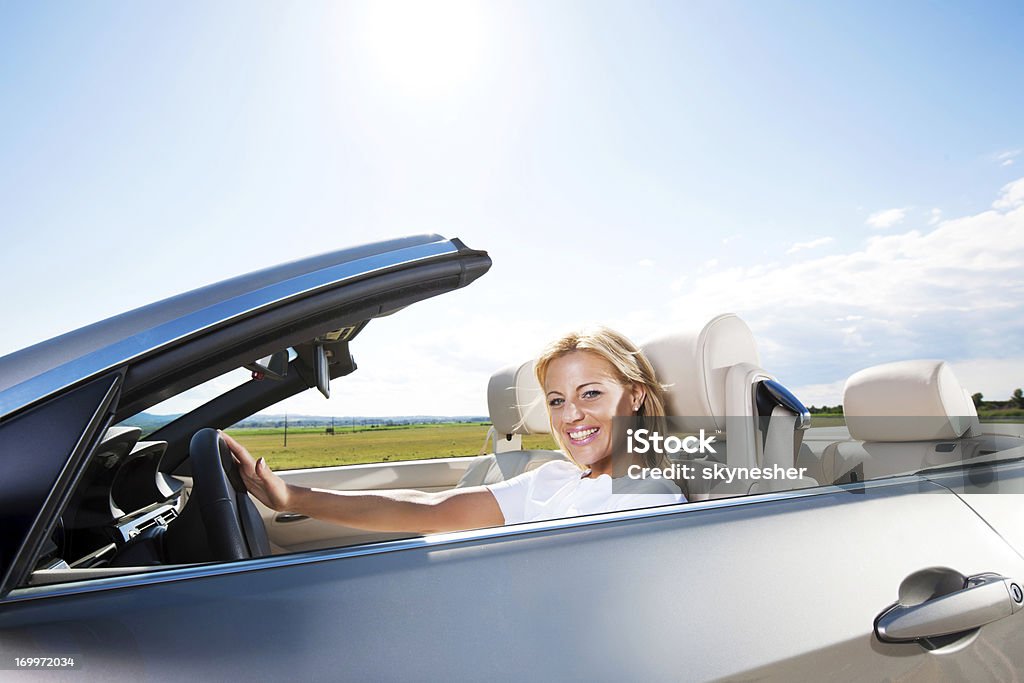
(591, 393)
(555, 402)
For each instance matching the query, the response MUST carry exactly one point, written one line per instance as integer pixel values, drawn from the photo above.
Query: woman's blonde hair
(631, 367)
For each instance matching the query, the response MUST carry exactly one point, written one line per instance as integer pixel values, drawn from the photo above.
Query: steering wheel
(234, 529)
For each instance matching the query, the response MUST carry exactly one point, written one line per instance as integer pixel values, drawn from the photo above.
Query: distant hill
(268, 421)
(148, 422)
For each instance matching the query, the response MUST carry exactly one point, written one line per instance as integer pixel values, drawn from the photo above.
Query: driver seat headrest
(515, 402)
(699, 367)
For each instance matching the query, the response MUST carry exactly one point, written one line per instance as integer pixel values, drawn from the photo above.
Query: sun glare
(424, 48)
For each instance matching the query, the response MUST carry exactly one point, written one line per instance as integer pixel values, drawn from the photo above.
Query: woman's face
(583, 395)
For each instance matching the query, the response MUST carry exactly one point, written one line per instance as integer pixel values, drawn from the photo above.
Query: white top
(560, 489)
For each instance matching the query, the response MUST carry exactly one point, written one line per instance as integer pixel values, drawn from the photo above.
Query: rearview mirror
(321, 371)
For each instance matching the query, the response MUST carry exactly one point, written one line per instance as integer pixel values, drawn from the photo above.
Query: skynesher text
(715, 471)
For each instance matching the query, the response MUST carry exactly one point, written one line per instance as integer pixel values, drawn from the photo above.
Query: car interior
(173, 497)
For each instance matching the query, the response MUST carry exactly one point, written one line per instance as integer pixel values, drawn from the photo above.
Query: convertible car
(891, 548)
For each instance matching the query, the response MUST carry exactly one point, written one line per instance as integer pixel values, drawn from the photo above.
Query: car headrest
(694, 367)
(911, 400)
(515, 402)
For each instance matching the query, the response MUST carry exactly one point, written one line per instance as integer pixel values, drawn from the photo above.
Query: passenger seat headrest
(693, 367)
(924, 394)
(515, 401)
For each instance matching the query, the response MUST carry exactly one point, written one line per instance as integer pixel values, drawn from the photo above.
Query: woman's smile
(580, 437)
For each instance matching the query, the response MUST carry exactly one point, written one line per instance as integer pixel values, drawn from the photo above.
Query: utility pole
(286, 430)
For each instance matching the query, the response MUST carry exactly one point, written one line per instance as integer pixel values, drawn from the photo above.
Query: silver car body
(785, 585)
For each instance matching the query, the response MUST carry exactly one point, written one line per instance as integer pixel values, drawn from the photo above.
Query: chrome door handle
(985, 598)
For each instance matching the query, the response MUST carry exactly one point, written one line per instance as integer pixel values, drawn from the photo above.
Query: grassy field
(311, 447)
(1001, 414)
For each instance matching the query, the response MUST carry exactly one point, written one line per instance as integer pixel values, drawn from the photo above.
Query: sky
(847, 177)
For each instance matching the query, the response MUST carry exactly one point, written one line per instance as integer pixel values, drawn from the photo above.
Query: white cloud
(821, 241)
(1010, 196)
(730, 239)
(1008, 155)
(1008, 162)
(645, 263)
(886, 219)
(955, 291)
(710, 264)
(935, 216)
(945, 269)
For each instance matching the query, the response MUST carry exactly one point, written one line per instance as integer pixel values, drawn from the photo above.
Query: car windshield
(170, 409)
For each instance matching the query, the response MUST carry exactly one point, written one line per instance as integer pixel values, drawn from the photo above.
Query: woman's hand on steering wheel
(259, 480)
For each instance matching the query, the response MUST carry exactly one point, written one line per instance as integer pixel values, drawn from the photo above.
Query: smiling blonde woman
(588, 378)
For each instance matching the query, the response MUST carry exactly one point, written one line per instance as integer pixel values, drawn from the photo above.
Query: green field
(312, 447)
(1001, 414)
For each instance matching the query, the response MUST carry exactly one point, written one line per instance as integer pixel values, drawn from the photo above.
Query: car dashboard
(122, 505)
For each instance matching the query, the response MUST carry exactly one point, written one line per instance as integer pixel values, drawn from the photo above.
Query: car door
(782, 586)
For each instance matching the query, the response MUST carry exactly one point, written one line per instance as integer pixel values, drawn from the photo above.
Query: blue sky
(842, 175)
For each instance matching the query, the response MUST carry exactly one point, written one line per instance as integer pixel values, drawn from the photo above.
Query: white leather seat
(708, 373)
(709, 376)
(902, 417)
(515, 403)
(516, 407)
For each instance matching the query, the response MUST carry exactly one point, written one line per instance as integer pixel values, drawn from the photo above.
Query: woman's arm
(400, 510)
